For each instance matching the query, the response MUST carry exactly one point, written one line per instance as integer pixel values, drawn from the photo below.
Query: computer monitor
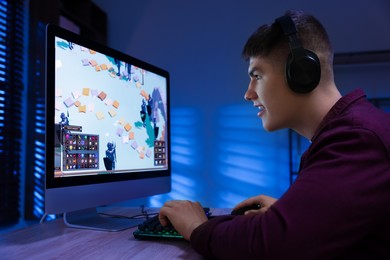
(107, 129)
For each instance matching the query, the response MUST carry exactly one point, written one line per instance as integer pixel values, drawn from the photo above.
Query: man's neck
(320, 102)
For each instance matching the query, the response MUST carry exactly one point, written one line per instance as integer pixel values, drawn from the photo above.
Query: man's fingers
(163, 215)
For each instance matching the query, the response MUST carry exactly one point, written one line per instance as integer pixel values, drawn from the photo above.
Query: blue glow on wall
(250, 160)
(243, 160)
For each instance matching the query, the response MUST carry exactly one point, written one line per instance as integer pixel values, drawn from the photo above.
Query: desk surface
(54, 240)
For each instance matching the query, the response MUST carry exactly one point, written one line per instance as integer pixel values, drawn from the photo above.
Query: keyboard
(152, 229)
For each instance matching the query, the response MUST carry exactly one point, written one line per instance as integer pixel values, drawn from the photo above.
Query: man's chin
(270, 128)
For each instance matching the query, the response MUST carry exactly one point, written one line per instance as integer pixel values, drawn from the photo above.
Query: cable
(144, 214)
(43, 218)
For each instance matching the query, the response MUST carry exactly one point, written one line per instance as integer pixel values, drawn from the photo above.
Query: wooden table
(54, 240)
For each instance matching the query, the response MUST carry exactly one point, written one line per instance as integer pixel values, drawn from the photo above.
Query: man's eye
(255, 76)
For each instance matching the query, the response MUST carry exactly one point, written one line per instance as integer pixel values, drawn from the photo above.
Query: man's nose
(250, 93)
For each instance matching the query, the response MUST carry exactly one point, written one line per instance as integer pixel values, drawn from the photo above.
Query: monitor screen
(107, 125)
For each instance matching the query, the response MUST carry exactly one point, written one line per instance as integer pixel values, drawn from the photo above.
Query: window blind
(11, 107)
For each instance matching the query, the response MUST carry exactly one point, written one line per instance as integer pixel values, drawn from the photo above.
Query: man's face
(270, 93)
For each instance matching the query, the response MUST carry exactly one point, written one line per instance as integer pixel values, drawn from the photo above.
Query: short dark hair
(270, 39)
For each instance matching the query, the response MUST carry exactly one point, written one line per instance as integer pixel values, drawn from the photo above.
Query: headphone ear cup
(303, 70)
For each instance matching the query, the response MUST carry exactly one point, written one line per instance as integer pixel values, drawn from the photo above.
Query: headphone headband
(287, 24)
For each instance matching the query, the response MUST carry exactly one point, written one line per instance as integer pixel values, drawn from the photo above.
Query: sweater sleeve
(200, 237)
(336, 201)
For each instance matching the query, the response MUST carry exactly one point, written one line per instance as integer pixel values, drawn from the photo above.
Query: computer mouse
(241, 211)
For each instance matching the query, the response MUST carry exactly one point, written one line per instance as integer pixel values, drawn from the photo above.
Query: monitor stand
(91, 219)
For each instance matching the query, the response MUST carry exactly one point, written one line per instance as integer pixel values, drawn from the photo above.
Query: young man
(339, 205)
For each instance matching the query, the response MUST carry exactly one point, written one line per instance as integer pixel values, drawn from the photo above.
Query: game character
(111, 154)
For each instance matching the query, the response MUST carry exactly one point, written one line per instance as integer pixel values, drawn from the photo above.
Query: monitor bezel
(51, 182)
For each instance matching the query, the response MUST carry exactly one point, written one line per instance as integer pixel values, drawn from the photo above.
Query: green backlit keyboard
(152, 229)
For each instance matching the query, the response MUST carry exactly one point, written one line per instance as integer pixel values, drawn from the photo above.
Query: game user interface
(110, 116)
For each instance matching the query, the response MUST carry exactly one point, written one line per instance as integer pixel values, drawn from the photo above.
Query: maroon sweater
(339, 206)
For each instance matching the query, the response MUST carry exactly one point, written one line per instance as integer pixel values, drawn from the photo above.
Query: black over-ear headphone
(303, 70)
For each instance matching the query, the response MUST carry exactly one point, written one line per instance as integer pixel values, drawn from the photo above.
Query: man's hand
(184, 215)
(264, 201)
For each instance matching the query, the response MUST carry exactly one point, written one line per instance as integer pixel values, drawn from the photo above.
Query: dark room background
(220, 152)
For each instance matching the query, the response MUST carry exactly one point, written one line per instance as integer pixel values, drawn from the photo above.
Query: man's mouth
(261, 110)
